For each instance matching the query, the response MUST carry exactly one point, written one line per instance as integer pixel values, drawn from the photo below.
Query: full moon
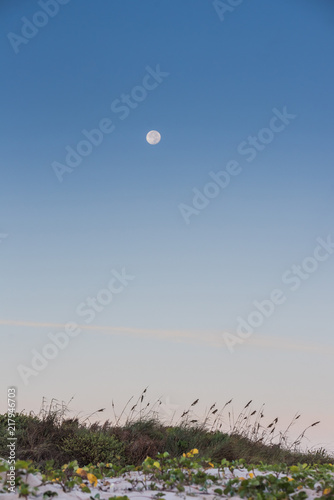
(153, 137)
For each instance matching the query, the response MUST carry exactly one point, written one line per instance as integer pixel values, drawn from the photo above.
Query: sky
(202, 266)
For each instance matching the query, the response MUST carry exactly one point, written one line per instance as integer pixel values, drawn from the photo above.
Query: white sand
(109, 487)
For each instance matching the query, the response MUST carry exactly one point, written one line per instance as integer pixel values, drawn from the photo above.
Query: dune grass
(139, 431)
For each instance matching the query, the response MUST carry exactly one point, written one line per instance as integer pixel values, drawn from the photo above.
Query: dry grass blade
(122, 412)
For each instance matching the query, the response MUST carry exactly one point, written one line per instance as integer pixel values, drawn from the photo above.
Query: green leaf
(49, 494)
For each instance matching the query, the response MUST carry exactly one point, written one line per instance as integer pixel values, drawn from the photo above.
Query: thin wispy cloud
(195, 337)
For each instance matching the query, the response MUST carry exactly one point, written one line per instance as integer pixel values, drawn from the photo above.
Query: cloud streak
(203, 337)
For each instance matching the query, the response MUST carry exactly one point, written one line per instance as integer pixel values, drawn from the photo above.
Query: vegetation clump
(139, 432)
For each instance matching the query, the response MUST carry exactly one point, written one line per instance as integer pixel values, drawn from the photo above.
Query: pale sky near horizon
(202, 266)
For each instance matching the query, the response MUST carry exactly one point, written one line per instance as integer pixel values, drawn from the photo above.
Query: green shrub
(23, 427)
(181, 439)
(92, 447)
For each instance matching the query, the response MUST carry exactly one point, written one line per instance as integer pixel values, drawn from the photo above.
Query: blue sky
(120, 207)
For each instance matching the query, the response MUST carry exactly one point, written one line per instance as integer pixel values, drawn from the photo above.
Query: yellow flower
(299, 487)
(81, 472)
(211, 464)
(194, 451)
(242, 478)
(92, 479)
(108, 465)
(290, 479)
(251, 475)
(184, 455)
(82, 485)
(327, 490)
